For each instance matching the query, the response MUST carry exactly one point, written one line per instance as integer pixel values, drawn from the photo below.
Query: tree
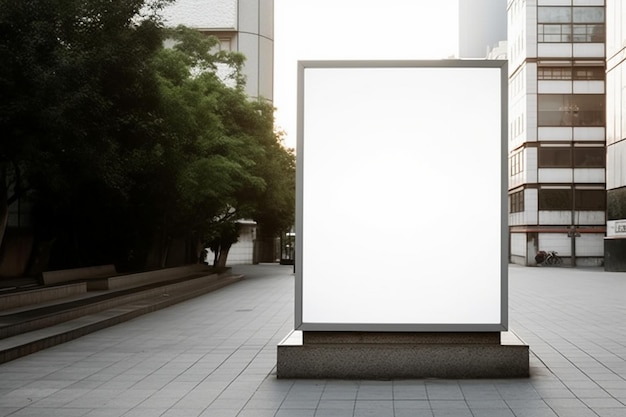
(235, 166)
(76, 94)
(125, 147)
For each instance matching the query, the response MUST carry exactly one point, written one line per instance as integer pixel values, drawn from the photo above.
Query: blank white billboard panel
(401, 210)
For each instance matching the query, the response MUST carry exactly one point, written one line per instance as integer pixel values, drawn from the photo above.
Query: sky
(350, 30)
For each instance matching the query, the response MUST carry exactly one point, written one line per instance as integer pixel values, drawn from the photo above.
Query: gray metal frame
(395, 327)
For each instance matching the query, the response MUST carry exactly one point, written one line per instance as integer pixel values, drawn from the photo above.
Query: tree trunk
(200, 251)
(221, 260)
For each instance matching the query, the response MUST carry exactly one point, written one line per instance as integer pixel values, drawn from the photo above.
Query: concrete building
(615, 243)
(557, 190)
(245, 26)
(482, 26)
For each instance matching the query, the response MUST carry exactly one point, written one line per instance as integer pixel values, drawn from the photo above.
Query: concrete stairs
(37, 318)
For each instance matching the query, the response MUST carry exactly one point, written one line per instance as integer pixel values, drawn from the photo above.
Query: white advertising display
(401, 196)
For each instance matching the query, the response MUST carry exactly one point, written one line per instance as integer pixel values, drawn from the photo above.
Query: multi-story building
(615, 243)
(557, 190)
(245, 26)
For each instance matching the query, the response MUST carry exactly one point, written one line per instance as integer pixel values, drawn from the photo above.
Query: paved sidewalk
(214, 356)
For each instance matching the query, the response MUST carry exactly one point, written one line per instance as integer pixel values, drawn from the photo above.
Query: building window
(555, 199)
(554, 157)
(566, 157)
(578, 24)
(591, 200)
(554, 73)
(516, 163)
(554, 33)
(589, 73)
(590, 33)
(516, 202)
(570, 73)
(554, 14)
(225, 44)
(589, 157)
(570, 109)
(562, 199)
(587, 14)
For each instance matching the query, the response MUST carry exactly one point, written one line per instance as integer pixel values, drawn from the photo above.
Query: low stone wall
(41, 295)
(78, 274)
(145, 278)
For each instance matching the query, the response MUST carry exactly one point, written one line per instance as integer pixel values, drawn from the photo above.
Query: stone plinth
(363, 355)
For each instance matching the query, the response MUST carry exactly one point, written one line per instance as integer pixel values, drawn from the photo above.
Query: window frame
(516, 202)
(574, 110)
(576, 26)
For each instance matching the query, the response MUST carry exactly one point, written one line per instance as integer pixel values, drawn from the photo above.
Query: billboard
(401, 196)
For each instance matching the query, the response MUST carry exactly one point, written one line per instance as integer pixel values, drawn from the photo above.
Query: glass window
(589, 73)
(516, 202)
(588, 15)
(569, 73)
(554, 33)
(570, 110)
(516, 163)
(554, 73)
(559, 199)
(616, 204)
(589, 157)
(554, 24)
(588, 33)
(549, 109)
(590, 200)
(554, 14)
(554, 157)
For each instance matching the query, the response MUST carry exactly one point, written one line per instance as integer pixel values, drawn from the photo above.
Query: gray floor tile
(492, 412)
(336, 405)
(610, 412)
(374, 408)
(485, 404)
(425, 412)
(246, 412)
(596, 403)
(334, 413)
(214, 356)
(295, 413)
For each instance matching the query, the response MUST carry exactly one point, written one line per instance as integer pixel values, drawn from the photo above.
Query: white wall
(203, 14)
(251, 25)
(518, 244)
(616, 165)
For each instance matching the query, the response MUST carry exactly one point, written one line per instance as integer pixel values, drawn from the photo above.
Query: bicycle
(549, 258)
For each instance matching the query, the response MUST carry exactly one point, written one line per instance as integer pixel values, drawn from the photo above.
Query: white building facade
(245, 26)
(557, 116)
(615, 243)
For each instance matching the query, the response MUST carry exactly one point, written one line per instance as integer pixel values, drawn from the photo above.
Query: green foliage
(123, 145)
(77, 93)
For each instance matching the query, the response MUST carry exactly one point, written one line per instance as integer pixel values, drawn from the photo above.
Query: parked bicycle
(549, 258)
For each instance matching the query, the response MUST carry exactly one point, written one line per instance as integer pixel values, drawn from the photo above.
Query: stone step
(22, 320)
(39, 295)
(152, 299)
(68, 283)
(139, 279)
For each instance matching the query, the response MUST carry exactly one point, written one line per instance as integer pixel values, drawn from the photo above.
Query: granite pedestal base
(362, 355)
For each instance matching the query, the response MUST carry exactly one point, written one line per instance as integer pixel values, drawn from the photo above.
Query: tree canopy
(122, 145)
